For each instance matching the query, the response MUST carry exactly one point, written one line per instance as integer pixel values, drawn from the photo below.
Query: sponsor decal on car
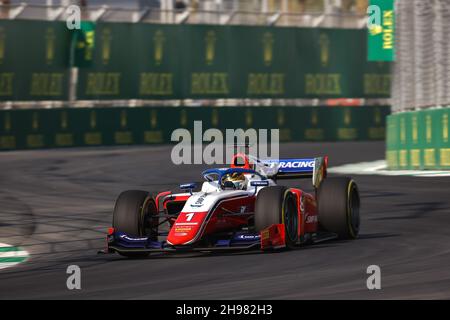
(294, 165)
(297, 164)
(181, 229)
(186, 223)
(311, 219)
(125, 237)
(199, 201)
(248, 237)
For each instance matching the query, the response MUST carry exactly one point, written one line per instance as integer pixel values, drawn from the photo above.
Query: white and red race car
(238, 208)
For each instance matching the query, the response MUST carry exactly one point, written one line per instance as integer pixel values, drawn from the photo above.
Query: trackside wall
(77, 127)
(418, 139)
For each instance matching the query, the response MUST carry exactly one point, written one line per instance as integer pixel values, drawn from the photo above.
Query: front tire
(133, 216)
(338, 207)
(276, 205)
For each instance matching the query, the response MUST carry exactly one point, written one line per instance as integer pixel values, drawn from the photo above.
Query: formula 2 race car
(238, 208)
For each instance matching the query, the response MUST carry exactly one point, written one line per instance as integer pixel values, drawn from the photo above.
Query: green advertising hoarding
(158, 71)
(33, 60)
(263, 62)
(205, 57)
(332, 64)
(151, 61)
(110, 73)
(381, 31)
(83, 44)
(418, 139)
(78, 127)
(143, 61)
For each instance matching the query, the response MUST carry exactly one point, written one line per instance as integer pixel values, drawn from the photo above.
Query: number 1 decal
(189, 216)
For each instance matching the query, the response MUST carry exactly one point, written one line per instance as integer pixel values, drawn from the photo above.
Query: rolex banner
(33, 60)
(149, 61)
(145, 61)
(381, 31)
(80, 127)
(419, 139)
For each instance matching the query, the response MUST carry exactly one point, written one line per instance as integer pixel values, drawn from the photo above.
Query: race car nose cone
(186, 228)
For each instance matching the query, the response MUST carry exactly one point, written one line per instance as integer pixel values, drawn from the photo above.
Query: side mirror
(188, 186)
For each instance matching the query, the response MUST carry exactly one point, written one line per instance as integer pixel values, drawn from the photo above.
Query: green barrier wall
(49, 128)
(171, 62)
(148, 61)
(418, 140)
(33, 60)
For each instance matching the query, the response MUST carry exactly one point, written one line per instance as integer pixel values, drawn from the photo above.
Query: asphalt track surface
(57, 205)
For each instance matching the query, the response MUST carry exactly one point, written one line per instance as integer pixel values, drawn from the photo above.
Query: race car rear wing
(315, 168)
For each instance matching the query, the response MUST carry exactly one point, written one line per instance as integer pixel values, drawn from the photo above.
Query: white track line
(379, 167)
(21, 253)
(11, 256)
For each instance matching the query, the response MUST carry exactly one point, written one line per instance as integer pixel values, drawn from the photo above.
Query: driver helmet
(236, 178)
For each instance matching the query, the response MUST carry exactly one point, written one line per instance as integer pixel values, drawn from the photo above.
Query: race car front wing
(270, 238)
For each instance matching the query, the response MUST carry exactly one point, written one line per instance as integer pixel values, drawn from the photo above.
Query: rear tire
(133, 216)
(276, 205)
(338, 207)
